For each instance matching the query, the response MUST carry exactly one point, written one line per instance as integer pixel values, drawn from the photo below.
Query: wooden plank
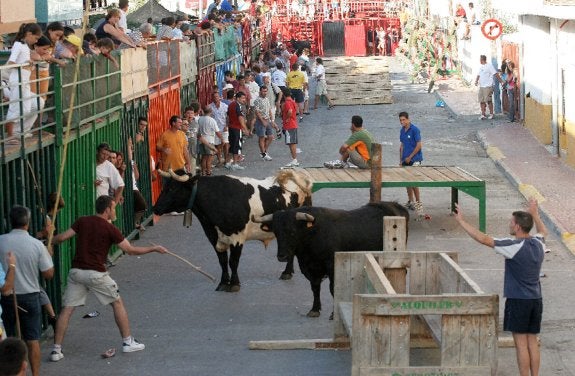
(451, 340)
(470, 340)
(345, 101)
(451, 304)
(346, 312)
(488, 341)
(341, 290)
(417, 272)
(449, 279)
(430, 370)
(399, 341)
(394, 234)
(432, 275)
(368, 86)
(375, 178)
(378, 280)
(299, 344)
(467, 285)
(434, 174)
(433, 324)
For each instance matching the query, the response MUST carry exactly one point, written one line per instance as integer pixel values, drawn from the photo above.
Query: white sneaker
(267, 157)
(132, 346)
(490, 116)
(175, 213)
(293, 163)
(482, 117)
(56, 356)
(237, 167)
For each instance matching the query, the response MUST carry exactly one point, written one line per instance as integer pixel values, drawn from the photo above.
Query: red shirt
(234, 113)
(289, 122)
(95, 237)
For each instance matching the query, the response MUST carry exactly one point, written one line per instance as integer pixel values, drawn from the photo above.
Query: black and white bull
(225, 206)
(314, 234)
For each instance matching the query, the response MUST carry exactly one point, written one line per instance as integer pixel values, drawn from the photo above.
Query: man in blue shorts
(522, 288)
(410, 155)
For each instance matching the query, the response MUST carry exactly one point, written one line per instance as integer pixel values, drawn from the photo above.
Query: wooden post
(394, 241)
(375, 187)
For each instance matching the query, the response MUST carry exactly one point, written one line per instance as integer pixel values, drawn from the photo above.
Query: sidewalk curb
(527, 191)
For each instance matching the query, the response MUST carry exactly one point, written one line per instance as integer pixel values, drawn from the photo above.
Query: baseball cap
(267, 74)
(228, 86)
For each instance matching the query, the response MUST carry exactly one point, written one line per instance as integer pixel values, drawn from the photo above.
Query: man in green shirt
(357, 148)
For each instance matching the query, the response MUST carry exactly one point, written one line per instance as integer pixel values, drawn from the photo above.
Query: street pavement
(189, 329)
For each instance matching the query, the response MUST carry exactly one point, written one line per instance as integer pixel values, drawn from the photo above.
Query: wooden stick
(197, 268)
(18, 330)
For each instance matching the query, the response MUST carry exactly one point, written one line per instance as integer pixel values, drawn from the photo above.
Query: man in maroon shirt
(96, 234)
(236, 125)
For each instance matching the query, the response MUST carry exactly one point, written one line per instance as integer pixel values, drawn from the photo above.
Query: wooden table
(394, 176)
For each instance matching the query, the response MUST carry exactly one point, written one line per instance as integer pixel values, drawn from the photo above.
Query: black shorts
(523, 315)
(297, 95)
(234, 139)
(30, 316)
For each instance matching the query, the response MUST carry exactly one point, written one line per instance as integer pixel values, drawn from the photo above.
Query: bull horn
(164, 173)
(304, 217)
(180, 178)
(265, 218)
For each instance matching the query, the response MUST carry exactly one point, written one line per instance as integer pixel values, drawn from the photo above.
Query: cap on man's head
(228, 87)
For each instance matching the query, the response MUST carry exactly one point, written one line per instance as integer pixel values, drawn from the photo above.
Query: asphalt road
(189, 329)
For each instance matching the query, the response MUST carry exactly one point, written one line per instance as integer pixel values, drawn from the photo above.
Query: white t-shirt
(319, 72)
(220, 114)
(279, 77)
(208, 128)
(486, 72)
(110, 177)
(20, 53)
(123, 22)
(254, 89)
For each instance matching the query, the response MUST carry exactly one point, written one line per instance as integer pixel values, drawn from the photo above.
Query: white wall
(538, 50)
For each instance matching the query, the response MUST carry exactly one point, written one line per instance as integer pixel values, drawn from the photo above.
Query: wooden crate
(389, 302)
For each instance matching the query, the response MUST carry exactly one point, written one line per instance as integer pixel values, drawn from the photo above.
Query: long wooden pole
(375, 186)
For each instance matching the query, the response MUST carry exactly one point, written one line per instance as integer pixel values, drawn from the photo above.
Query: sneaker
(490, 116)
(482, 117)
(228, 165)
(56, 356)
(263, 155)
(417, 206)
(237, 167)
(132, 346)
(298, 150)
(409, 205)
(293, 163)
(300, 118)
(267, 157)
(175, 213)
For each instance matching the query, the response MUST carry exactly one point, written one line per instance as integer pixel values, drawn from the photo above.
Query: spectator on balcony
(187, 32)
(166, 31)
(41, 55)
(177, 33)
(141, 35)
(205, 27)
(89, 45)
(213, 6)
(22, 104)
(123, 22)
(106, 46)
(71, 47)
(109, 29)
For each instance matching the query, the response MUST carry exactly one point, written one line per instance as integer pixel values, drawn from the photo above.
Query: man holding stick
(95, 237)
(32, 261)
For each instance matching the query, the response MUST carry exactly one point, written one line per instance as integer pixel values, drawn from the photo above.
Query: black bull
(226, 206)
(314, 234)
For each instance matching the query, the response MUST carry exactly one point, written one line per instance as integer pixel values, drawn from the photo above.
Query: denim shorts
(29, 312)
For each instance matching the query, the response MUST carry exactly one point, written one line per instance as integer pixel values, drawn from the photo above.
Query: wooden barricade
(441, 304)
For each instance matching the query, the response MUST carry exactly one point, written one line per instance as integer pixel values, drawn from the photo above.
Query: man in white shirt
(123, 22)
(484, 80)
(108, 178)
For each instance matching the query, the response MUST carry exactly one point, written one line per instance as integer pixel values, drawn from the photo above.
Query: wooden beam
(300, 344)
(378, 280)
(375, 186)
